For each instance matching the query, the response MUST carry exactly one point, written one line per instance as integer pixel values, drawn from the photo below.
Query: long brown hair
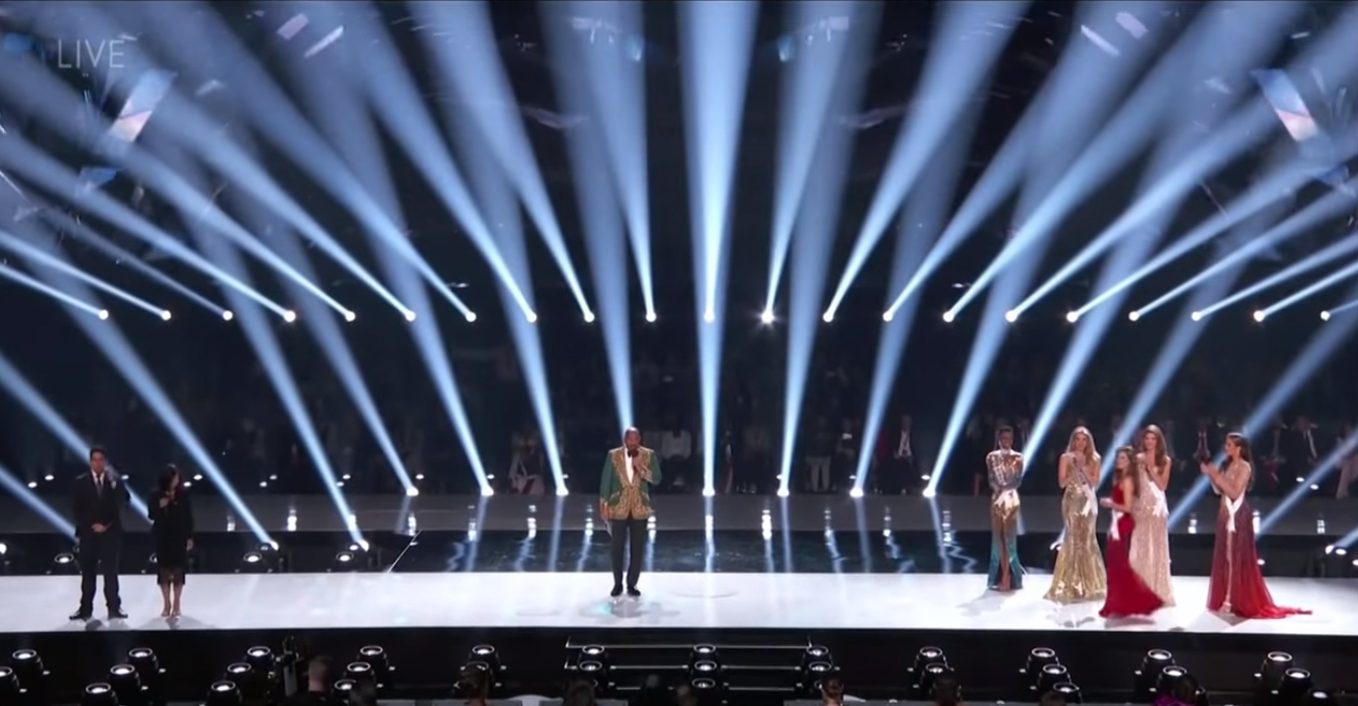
(1242, 442)
(1129, 471)
(1161, 452)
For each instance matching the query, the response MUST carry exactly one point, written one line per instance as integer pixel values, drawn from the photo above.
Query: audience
(474, 684)
(579, 693)
(320, 681)
(1052, 698)
(947, 691)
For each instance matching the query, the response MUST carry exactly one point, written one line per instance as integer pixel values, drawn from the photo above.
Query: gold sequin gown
(1079, 574)
(1149, 551)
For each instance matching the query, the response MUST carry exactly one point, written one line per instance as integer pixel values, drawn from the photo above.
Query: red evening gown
(1237, 585)
(1128, 594)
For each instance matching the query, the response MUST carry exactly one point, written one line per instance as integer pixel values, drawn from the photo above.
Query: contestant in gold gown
(1079, 574)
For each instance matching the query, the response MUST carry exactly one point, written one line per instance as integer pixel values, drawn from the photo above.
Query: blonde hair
(1091, 456)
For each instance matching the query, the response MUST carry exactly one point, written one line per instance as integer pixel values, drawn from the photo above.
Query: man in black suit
(99, 498)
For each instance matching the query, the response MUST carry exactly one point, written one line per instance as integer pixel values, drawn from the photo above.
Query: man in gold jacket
(625, 503)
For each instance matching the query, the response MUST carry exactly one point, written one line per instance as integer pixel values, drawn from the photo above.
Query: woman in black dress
(172, 526)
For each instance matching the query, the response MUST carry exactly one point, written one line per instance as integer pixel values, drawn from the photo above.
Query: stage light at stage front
(487, 491)
(1133, 316)
(1072, 316)
(949, 316)
(929, 492)
(103, 314)
(766, 317)
(1324, 316)
(350, 316)
(562, 492)
(856, 492)
(532, 317)
(471, 316)
(165, 315)
(887, 315)
(289, 316)
(828, 317)
(410, 315)
(1196, 316)
(589, 317)
(650, 317)
(784, 492)
(1011, 316)
(228, 315)
(1259, 316)
(412, 492)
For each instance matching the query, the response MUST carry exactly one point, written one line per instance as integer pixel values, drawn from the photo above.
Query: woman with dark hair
(1237, 585)
(1149, 548)
(171, 516)
(1128, 594)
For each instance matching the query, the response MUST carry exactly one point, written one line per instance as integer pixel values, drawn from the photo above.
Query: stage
(872, 622)
(874, 579)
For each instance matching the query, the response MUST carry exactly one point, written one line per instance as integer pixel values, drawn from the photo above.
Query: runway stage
(873, 622)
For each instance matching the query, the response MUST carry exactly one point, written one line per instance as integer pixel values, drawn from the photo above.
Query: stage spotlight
(949, 316)
(254, 562)
(589, 317)
(147, 666)
(289, 316)
(532, 317)
(1168, 681)
(767, 316)
(103, 314)
(343, 690)
(650, 317)
(126, 685)
(346, 560)
(1148, 676)
(470, 317)
(1270, 675)
(99, 694)
(165, 315)
(784, 492)
(376, 657)
(1072, 316)
(1324, 316)
(1038, 657)
(1133, 316)
(1011, 316)
(1196, 316)
(410, 315)
(1049, 677)
(350, 316)
(223, 693)
(360, 672)
(64, 564)
(817, 666)
(488, 655)
(1069, 692)
(709, 316)
(855, 492)
(1296, 685)
(227, 315)
(1259, 315)
(1318, 697)
(887, 316)
(260, 658)
(9, 686)
(828, 317)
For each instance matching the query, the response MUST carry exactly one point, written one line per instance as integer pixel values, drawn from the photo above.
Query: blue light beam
(717, 41)
(954, 72)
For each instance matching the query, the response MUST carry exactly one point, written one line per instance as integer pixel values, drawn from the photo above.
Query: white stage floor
(40, 604)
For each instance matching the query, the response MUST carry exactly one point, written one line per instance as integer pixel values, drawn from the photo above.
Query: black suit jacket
(95, 507)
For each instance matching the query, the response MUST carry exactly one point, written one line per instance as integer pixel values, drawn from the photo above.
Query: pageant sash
(1113, 531)
(1232, 507)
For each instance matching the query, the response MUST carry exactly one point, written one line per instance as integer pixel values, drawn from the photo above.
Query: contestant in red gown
(1237, 586)
(1128, 594)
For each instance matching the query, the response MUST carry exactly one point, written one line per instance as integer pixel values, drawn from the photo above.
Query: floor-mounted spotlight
(149, 671)
(817, 665)
(64, 564)
(487, 655)
(32, 674)
(377, 658)
(223, 693)
(1269, 678)
(1031, 675)
(253, 562)
(127, 685)
(10, 691)
(346, 560)
(99, 694)
(924, 657)
(592, 664)
(1146, 678)
(1069, 692)
(705, 674)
